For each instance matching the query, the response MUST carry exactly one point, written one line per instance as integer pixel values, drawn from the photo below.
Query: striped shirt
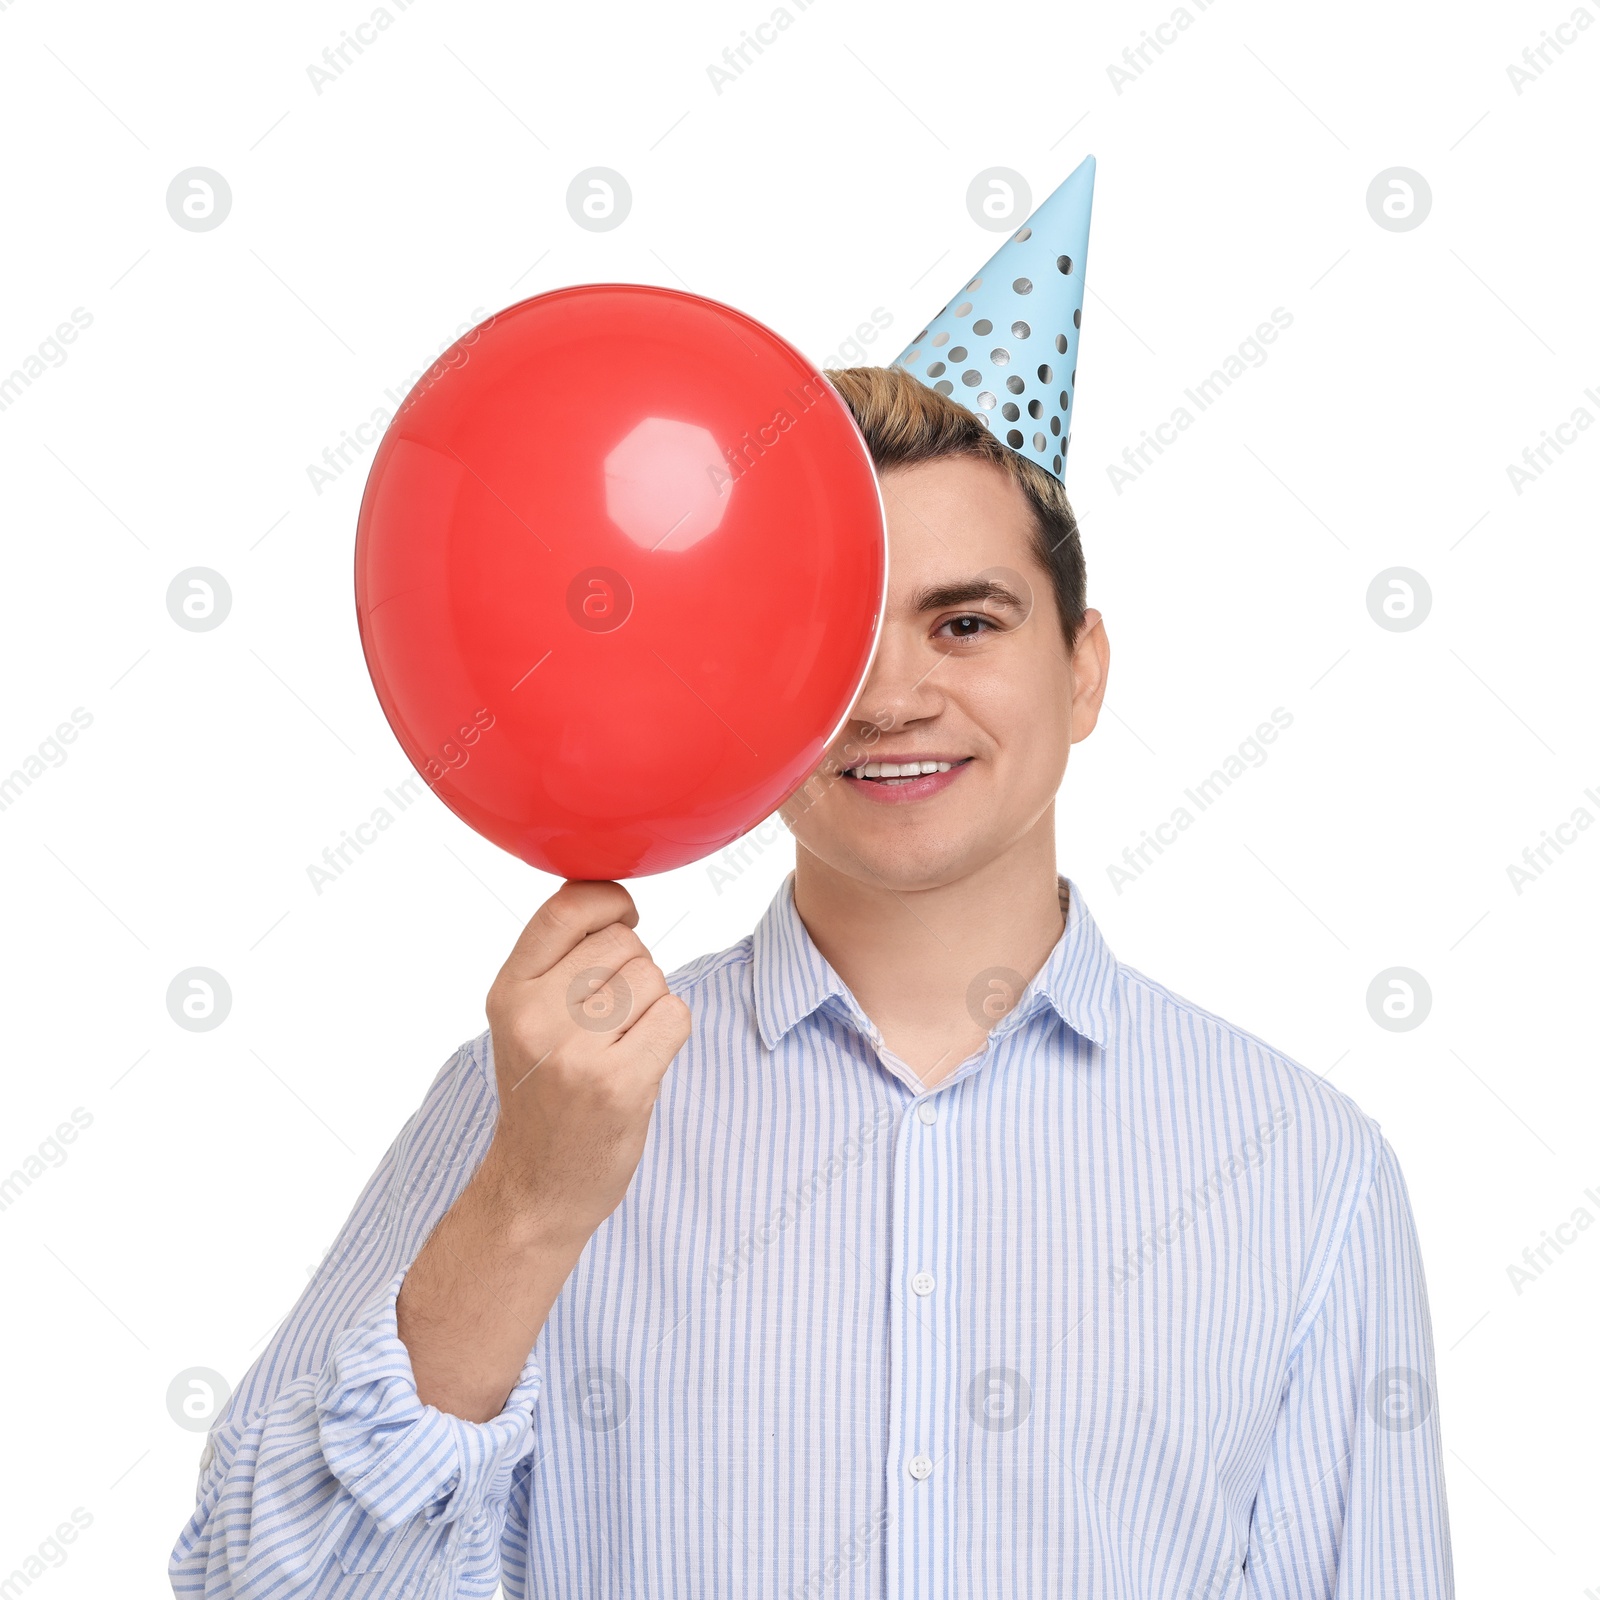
(1129, 1305)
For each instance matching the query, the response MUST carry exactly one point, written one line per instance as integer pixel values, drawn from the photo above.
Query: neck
(911, 956)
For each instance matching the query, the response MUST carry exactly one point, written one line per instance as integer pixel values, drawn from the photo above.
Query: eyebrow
(938, 597)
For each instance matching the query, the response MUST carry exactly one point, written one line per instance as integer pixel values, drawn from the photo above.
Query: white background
(426, 186)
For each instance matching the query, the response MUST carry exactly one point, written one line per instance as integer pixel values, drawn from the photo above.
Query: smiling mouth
(894, 773)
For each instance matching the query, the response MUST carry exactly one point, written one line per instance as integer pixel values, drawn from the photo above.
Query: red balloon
(620, 569)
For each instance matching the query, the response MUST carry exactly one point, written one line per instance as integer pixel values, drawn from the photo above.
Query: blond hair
(904, 422)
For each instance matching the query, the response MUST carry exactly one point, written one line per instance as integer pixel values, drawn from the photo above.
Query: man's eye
(970, 626)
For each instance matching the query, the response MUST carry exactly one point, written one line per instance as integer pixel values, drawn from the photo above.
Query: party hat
(1006, 346)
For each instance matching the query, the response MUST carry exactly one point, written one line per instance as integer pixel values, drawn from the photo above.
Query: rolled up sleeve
(326, 1474)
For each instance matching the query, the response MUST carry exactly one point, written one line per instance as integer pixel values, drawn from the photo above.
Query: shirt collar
(793, 979)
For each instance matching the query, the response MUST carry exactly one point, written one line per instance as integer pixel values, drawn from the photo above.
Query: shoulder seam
(1134, 975)
(1233, 1028)
(1316, 1296)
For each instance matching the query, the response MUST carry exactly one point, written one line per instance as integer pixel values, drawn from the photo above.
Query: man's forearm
(479, 1292)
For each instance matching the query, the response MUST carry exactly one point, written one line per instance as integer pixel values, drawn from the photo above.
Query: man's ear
(1091, 665)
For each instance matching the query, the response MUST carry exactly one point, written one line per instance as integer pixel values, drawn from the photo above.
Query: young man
(914, 1246)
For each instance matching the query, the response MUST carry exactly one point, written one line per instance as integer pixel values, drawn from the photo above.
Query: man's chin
(905, 864)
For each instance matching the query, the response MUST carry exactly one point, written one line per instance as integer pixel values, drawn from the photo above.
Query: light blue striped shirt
(1129, 1305)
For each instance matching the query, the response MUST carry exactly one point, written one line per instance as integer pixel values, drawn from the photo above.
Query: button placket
(922, 1364)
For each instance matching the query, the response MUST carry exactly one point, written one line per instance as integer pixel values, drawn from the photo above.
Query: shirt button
(922, 1283)
(927, 1113)
(920, 1467)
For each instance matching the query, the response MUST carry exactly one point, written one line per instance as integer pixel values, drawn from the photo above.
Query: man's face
(972, 670)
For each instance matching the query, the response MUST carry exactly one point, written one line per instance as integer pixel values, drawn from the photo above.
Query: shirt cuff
(396, 1456)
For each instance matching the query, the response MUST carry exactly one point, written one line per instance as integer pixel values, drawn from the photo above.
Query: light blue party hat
(1006, 346)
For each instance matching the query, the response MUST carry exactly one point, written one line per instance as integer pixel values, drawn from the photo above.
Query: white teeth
(898, 769)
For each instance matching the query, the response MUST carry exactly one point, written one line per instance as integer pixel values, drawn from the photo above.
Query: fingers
(580, 988)
(597, 957)
(609, 1003)
(572, 914)
(660, 1033)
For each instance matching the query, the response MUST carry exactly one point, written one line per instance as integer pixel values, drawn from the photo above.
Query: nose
(902, 685)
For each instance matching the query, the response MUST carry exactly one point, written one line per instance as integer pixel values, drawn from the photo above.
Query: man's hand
(583, 1028)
